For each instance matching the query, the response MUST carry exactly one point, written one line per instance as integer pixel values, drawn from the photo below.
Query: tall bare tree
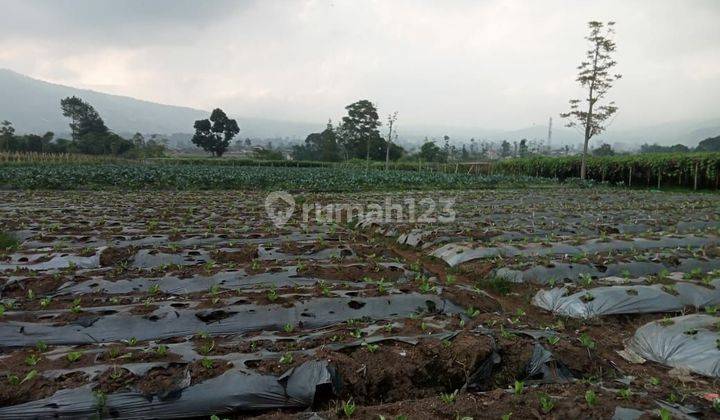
(595, 76)
(391, 121)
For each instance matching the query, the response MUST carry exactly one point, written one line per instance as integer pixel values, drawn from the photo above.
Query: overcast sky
(494, 64)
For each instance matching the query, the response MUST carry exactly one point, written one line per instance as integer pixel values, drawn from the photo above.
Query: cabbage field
(227, 177)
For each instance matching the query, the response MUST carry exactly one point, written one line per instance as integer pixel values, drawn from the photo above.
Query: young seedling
(625, 393)
(591, 398)
(506, 334)
(587, 341)
(450, 279)
(348, 408)
(286, 359)
(13, 380)
(272, 294)
(75, 307)
(206, 363)
(30, 376)
(161, 350)
(472, 312)
(45, 302)
(426, 286)
(546, 403)
(115, 374)
(324, 289)
(553, 339)
(154, 289)
(716, 405)
(41, 346)
(449, 398)
(666, 321)
(518, 387)
(586, 280)
(506, 416)
(100, 402)
(382, 287)
(32, 360)
(665, 414)
(288, 328)
(372, 348)
(74, 356)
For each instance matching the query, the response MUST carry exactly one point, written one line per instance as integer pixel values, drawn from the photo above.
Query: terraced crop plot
(559, 303)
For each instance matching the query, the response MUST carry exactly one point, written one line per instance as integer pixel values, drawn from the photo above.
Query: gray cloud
(122, 22)
(494, 64)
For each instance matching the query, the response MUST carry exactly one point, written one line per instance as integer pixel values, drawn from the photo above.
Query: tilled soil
(160, 294)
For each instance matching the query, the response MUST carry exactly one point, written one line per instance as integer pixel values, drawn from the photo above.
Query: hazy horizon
(499, 65)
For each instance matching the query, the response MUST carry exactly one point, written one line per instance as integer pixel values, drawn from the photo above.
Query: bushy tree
(604, 150)
(596, 78)
(505, 149)
(83, 117)
(656, 148)
(7, 134)
(214, 135)
(430, 152)
(103, 144)
(359, 129)
(523, 148)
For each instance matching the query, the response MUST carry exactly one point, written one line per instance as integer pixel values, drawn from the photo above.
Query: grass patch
(496, 284)
(8, 242)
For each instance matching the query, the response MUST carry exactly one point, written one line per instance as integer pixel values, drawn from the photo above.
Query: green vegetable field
(193, 177)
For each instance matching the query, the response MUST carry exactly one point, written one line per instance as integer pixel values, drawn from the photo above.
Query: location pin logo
(274, 204)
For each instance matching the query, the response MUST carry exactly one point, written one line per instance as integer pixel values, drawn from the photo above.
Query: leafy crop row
(690, 170)
(195, 177)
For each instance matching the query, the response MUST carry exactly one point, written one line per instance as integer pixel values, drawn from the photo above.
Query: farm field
(228, 177)
(552, 302)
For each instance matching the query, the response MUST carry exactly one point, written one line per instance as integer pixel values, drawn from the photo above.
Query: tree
(505, 149)
(656, 148)
(138, 140)
(319, 146)
(604, 150)
(464, 155)
(103, 144)
(430, 152)
(595, 76)
(84, 118)
(391, 121)
(523, 148)
(214, 135)
(359, 128)
(7, 135)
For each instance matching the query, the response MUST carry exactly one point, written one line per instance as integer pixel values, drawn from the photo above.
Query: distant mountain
(689, 133)
(33, 106)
